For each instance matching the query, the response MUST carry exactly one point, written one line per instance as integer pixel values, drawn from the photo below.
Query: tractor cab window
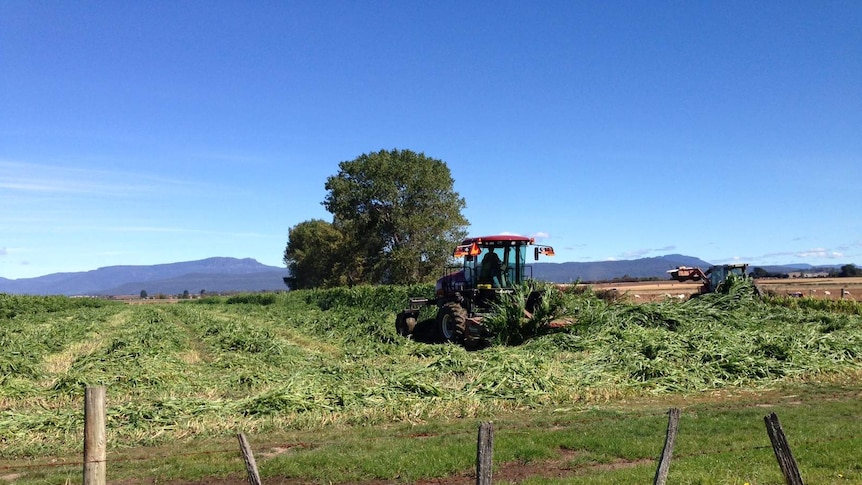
(738, 271)
(716, 276)
(500, 266)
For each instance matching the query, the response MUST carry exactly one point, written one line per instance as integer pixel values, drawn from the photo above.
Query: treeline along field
(312, 358)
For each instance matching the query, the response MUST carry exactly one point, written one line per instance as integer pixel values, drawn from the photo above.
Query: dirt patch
(280, 450)
(821, 288)
(649, 291)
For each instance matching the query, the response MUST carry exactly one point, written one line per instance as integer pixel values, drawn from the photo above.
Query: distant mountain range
(655, 267)
(219, 275)
(210, 275)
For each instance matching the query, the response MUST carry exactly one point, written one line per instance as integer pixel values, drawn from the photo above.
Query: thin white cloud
(820, 254)
(53, 186)
(182, 230)
(733, 259)
(43, 179)
(152, 229)
(639, 253)
(541, 235)
(575, 246)
(813, 253)
(242, 160)
(780, 254)
(7, 251)
(104, 254)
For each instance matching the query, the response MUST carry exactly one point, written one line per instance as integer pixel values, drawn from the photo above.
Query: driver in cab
(492, 269)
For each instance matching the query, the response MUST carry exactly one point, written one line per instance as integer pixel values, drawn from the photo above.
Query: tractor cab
(494, 262)
(718, 274)
(491, 263)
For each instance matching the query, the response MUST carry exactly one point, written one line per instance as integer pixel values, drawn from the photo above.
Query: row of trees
(849, 271)
(395, 219)
(846, 271)
(185, 295)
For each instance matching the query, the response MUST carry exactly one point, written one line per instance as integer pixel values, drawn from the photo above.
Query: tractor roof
(499, 238)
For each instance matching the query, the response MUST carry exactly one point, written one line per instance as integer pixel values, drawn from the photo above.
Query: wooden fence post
(666, 454)
(95, 441)
(485, 454)
(248, 457)
(782, 450)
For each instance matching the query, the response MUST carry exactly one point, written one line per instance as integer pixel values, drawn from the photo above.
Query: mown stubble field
(327, 392)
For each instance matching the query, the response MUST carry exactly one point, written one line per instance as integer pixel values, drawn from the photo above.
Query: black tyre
(405, 322)
(452, 322)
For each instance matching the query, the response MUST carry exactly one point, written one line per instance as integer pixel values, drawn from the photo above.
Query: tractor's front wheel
(405, 322)
(452, 322)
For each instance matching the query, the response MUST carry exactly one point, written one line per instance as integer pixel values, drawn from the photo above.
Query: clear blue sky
(150, 132)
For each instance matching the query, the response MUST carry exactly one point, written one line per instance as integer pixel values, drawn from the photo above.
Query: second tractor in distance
(712, 277)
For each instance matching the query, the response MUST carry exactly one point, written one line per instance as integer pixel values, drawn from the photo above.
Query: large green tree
(311, 253)
(398, 217)
(400, 212)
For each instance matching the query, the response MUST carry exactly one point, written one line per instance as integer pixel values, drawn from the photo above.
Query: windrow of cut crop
(387, 298)
(143, 353)
(727, 338)
(13, 305)
(31, 340)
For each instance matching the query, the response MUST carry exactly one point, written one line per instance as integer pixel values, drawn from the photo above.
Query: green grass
(720, 440)
(318, 364)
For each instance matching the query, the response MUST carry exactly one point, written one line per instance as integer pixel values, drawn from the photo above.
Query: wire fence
(574, 426)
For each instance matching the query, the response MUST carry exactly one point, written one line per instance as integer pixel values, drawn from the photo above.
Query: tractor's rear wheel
(452, 322)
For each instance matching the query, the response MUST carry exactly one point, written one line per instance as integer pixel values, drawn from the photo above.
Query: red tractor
(493, 266)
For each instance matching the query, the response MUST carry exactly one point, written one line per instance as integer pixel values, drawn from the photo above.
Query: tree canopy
(759, 272)
(396, 218)
(850, 270)
(311, 253)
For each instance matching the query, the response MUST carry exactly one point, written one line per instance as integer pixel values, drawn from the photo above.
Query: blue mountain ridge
(211, 274)
(221, 274)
